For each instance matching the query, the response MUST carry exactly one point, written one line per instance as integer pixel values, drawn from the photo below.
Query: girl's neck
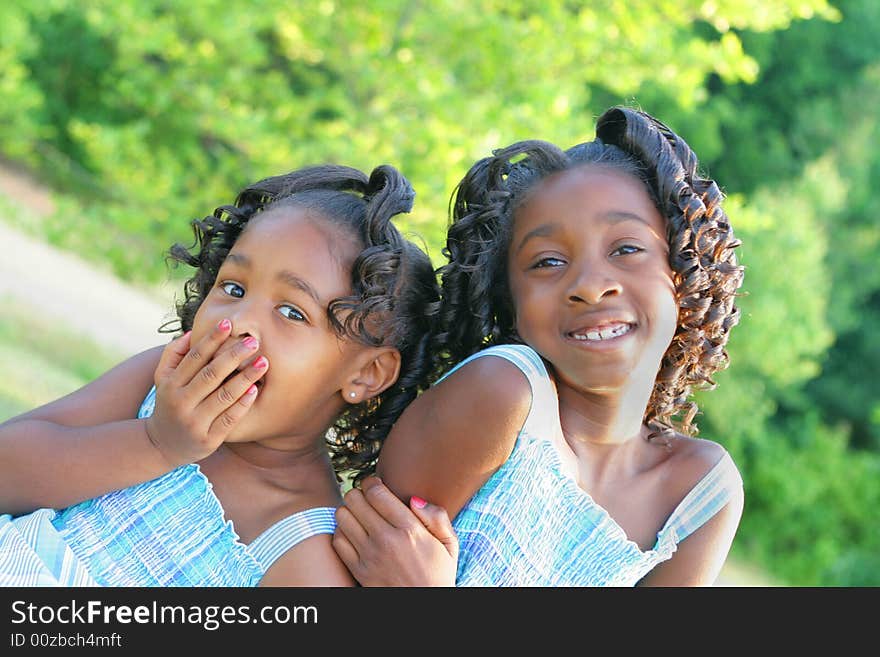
(291, 469)
(605, 439)
(601, 421)
(275, 455)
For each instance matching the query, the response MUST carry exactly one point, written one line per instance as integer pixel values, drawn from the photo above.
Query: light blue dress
(166, 532)
(532, 525)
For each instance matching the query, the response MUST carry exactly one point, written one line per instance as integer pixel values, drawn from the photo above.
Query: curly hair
(478, 308)
(395, 291)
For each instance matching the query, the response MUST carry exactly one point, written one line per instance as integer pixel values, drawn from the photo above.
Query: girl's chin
(603, 380)
(603, 389)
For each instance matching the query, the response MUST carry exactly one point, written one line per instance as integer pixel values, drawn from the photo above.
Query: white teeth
(605, 333)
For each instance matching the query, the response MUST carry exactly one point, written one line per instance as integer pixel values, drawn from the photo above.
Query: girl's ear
(378, 371)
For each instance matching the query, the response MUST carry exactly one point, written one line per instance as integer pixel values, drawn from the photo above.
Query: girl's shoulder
(693, 458)
(505, 378)
(699, 468)
(496, 380)
(311, 562)
(455, 434)
(521, 356)
(704, 490)
(497, 383)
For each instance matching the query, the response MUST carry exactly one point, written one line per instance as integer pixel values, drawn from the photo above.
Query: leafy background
(141, 116)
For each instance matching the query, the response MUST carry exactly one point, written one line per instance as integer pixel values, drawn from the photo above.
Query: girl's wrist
(164, 461)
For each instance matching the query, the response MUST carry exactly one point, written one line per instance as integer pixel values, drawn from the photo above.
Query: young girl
(587, 293)
(207, 462)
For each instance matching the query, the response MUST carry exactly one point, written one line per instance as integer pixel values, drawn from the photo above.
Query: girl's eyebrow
(291, 279)
(613, 217)
(544, 230)
(616, 216)
(239, 259)
(285, 276)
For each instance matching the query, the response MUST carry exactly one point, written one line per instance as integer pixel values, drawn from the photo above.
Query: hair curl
(478, 308)
(395, 291)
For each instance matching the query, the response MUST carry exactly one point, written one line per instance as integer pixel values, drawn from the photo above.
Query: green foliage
(783, 331)
(800, 479)
(843, 390)
(807, 135)
(813, 521)
(773, 129)
(784, 328)
(21, 96)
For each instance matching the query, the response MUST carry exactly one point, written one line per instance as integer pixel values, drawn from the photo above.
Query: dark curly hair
(396, 295)
(478, 308)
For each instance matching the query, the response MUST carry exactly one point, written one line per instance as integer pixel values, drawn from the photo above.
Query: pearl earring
(352, 394)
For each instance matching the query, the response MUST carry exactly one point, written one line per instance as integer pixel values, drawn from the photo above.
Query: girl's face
(275, 285)
(590, 279)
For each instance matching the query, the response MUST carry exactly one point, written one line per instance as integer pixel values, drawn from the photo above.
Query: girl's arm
(86, 444)
(81, 445)
(700, 557)
(455, 435)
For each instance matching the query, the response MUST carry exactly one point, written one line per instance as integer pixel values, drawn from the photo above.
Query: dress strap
(148, 405)
(290, 531)
(705, 499)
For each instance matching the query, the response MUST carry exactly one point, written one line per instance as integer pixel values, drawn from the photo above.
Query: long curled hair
(478, 308)
(395, 292)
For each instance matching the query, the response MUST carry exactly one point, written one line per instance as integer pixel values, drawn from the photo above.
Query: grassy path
(72, 294)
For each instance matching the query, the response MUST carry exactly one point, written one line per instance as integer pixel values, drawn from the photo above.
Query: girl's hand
(384, 543)
(196, 406)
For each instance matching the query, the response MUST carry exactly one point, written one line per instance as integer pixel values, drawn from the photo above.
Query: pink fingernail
(418, 502)
(252, 390)
(261, 363)
(250, 342)
(224, 325)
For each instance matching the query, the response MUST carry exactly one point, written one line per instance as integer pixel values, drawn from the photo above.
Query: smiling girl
(587, 293)
(215, 460)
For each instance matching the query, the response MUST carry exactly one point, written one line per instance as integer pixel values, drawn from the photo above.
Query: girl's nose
(245, 320)
(591, 285)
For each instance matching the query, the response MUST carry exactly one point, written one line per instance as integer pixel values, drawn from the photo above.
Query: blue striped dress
(166, 532)
(532, 525)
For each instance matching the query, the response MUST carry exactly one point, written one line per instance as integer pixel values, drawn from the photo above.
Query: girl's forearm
(43, 464)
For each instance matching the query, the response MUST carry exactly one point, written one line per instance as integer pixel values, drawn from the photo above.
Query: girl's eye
(233, 290)
(548, 262)
(292, 314)
(626, 249)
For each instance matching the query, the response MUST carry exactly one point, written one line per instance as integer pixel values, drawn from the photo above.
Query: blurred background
(120, 122)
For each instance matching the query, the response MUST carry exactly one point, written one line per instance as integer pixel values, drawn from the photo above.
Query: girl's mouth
(601, 333)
